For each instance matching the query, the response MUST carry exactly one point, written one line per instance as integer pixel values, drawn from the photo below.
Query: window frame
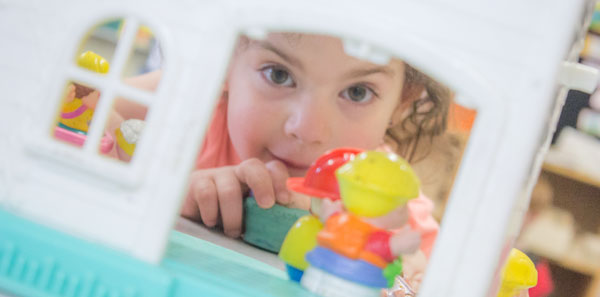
(111, 86)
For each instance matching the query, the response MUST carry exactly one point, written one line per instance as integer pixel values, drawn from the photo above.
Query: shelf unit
(575, 277)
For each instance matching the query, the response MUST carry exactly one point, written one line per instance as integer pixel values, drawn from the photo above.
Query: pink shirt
(218, 151)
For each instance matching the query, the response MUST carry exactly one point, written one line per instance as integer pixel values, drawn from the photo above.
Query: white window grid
(111, 86)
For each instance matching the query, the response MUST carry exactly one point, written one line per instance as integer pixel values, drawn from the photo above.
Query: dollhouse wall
(130, 207)
(501, 58)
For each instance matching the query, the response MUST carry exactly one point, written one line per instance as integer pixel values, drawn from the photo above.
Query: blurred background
(561, 231)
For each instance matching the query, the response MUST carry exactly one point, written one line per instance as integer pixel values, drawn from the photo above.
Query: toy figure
(128, 135)
(321, 185)
(518, 275)
(78, 106)
(356, 255)
(80, 102)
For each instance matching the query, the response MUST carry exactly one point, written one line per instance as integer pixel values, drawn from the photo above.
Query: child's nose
(309, 121)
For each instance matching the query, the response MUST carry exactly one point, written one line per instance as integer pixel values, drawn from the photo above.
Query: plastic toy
(78, 107)
(320, 184)
(353, 255)
(266, 228)
(128, 135)
(518, 275)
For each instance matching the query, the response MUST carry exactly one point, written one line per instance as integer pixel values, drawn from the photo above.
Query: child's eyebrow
(270, 47)
(386, 70)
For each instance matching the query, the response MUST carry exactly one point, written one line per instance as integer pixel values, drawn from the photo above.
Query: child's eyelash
(368, 87)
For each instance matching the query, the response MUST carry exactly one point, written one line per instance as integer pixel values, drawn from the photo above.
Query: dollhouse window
(102, 108)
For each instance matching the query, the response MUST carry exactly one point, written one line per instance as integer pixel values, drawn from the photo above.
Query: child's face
(293, 97)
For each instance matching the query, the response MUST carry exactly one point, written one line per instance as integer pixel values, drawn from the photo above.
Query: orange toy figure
(356, 254)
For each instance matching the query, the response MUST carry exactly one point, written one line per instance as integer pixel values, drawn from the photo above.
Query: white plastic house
(503, 58)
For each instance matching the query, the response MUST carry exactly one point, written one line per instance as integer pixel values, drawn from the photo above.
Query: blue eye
(358, 93)
(278, 76)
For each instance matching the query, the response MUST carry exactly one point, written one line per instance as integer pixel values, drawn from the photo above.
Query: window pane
(145, 57)
(102, 41)
(125, 124)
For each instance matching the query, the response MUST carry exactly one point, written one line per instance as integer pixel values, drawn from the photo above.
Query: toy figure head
(375, 183)
(93, 62)
(320, 180)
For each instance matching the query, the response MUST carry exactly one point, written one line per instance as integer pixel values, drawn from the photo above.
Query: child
(288, 99)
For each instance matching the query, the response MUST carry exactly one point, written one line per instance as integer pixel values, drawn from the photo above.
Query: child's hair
(426, 119)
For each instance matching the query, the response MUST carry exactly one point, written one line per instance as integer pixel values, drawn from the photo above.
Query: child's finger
(298, 200)
(230, 202)
(279, 176)
(204, 194)
(190, 207)
(255, 175)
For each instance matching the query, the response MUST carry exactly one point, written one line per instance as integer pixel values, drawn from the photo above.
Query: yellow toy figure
(79, 103)
(356, 255)
(518, 275)
(127, 136)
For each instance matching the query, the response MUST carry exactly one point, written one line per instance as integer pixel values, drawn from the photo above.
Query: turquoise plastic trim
(39, 261)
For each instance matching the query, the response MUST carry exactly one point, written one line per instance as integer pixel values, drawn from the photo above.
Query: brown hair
(426, 119)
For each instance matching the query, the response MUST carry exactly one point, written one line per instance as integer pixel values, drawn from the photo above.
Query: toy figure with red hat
(353, 253)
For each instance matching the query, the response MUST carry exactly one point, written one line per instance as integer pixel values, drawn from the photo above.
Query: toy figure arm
(404, 241)
(420, 219)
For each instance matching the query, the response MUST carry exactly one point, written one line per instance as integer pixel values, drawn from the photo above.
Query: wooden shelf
(571, 174)
(571, 264)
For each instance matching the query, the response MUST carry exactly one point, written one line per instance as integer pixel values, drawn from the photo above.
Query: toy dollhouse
(76, 223)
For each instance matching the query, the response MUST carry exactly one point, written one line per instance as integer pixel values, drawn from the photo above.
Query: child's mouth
(293, 166)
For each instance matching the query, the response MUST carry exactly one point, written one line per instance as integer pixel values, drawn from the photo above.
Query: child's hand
(219, 192)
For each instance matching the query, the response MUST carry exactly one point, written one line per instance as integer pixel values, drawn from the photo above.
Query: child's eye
(358, 93)
(278, 76)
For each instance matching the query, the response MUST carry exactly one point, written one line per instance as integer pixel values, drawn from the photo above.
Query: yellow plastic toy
(127, 147)
(128, 135)
(79, 103)
(301, 239)
(519, 274)
(387, 180)
(94, 62)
